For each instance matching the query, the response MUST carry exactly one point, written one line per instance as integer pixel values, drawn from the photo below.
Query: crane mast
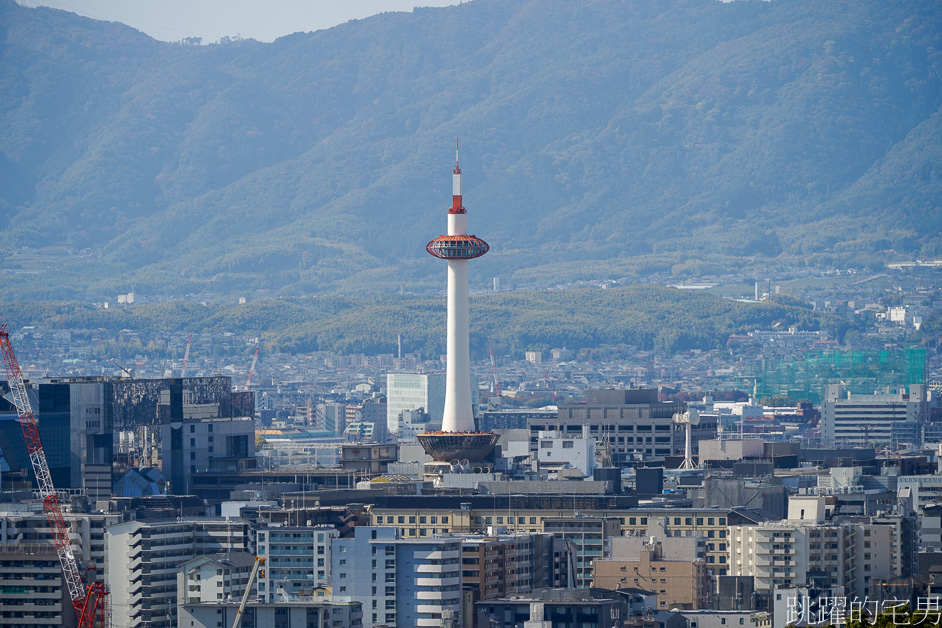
(248, 382)
(259, 561)
(494, 371)
(89, 604)
(186, 355)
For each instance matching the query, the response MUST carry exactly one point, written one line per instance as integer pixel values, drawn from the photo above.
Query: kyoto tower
(458, 438)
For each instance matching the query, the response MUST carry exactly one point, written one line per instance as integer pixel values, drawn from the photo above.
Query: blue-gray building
(399, 582)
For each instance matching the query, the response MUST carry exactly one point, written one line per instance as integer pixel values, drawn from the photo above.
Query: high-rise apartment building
(87, 531)
(297, 559)
(807, 550)
(143, 558)
(400, 582)
(33, 592)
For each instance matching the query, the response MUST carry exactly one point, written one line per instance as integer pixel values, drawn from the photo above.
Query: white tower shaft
(458, 415)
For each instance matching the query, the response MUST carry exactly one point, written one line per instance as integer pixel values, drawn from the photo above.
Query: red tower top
(456, 206)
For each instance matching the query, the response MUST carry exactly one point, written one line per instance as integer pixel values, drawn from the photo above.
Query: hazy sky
(172, 20)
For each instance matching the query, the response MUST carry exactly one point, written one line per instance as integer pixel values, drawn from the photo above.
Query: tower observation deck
(458, 438)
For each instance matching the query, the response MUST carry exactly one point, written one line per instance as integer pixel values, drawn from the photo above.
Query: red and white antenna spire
(456, 206)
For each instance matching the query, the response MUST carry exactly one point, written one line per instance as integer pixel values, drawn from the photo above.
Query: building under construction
(859, 372)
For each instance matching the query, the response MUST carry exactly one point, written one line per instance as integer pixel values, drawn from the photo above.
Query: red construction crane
(90, 601)
(248, 382)
(186, 355)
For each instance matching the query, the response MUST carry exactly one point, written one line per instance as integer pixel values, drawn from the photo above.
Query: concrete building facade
(143, 558)
(892, 418)
(32, 591)
(297, 559)
(633, 422)
(411, 391)
(399, 582)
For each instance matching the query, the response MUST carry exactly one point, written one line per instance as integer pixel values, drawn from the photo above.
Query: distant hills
(601, 138)
(646, 317)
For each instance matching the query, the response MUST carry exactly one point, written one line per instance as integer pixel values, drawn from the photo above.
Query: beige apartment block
(678, 583)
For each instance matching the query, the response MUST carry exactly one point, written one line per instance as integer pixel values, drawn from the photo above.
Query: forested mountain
(600, 138)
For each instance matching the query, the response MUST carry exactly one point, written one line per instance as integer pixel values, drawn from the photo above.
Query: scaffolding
(860, 372)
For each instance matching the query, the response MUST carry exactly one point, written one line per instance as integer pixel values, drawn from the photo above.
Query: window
(567, 444)
(444, 520)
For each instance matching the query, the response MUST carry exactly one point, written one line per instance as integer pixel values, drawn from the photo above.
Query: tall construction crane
(186, 355)
(494, 371)
(252, 369)
(90, 601)
(259, 562)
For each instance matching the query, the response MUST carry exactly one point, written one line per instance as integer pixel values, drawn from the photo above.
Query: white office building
(891, 418)
(411, 391)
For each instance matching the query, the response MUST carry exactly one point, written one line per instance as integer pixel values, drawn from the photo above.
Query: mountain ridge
(602, 139)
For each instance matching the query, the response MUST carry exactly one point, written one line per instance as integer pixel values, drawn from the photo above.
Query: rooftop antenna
(688, 419)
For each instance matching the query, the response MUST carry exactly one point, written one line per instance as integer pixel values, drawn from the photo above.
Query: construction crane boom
(252, 369)
(494, 371)
(186, 355)
(259, 561)
(89, 604)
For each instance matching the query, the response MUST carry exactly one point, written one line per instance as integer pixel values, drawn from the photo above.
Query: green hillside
(648, 317)
(600, 139)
